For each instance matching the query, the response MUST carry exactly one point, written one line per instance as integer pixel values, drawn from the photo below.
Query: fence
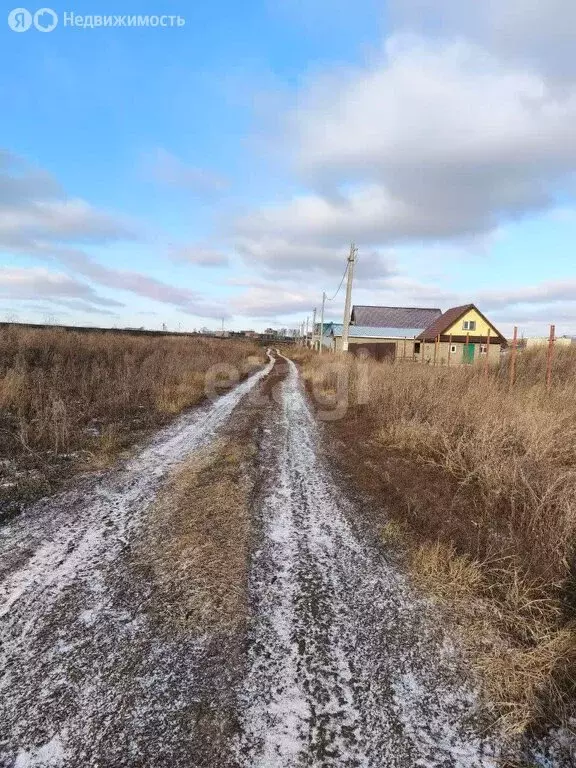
(458, 351)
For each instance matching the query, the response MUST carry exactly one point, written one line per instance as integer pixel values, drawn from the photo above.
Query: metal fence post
(549, 357)
(512, 372)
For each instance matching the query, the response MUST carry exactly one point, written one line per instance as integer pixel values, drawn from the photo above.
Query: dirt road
(344, 665)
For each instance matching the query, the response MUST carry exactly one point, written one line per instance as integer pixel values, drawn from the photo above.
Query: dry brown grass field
(70, 398)
(477, 482)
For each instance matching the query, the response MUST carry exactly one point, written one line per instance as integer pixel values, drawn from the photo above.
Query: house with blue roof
(385, 333)
(461, 334)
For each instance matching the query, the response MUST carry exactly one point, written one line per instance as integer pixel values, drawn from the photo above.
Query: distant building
(462, 334)
(326, 332)
(459, 335)
(385, 333)
(542, 341)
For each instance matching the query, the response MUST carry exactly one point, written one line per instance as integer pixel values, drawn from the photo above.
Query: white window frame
(469, 325)
(452, 349)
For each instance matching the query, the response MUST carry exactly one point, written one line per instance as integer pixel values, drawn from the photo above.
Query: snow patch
(50, 755)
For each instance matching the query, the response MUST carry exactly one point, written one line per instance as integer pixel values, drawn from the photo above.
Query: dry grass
(197, 542)
(485, 483)
(61, 391)
(301, 355)
(523, 652)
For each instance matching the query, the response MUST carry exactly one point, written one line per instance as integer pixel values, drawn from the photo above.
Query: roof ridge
(389, 306)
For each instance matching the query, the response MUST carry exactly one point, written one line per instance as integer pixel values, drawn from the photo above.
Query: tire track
(346, 667)
(86, 680)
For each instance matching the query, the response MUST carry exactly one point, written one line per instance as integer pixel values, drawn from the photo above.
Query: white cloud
(539, 33)
(269, 300)
(289, 259)
(37, 283)
(62, 220)
(201, 256)
(38, 219)
(167, 169)
(542, 293)
(187, 301)
(441, 140)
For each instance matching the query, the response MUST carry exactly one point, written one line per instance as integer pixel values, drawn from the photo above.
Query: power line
(341, 283)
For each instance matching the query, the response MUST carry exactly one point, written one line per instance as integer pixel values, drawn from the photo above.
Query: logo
(45, 20)
(19, 20)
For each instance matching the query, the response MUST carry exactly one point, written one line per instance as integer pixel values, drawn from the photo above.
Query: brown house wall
(405, 350)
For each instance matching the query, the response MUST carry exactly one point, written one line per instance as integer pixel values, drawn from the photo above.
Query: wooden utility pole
(513, 357)
(314, 328)
(307, 324)
(549, 356)
(346, 325)
(449, 349)
(487, 361)
(436, 344)
(321, 347)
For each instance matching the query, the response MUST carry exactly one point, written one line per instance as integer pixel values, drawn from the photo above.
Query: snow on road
(345, 666)
(71, 632)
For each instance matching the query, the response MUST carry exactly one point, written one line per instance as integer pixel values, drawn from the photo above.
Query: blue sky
(220, 169)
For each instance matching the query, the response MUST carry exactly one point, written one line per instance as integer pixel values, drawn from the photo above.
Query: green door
(468, 353)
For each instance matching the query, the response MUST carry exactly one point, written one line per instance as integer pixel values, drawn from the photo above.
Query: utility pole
(313, 327)
(307, 324)
(322, 323)
(346, 326)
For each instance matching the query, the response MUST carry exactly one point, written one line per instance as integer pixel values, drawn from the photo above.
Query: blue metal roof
(368, 332)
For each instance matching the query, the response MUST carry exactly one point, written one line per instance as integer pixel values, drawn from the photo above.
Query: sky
(217, 171)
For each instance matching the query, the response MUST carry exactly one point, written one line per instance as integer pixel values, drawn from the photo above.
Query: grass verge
(197, 542)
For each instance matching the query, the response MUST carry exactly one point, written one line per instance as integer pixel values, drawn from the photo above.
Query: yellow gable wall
(481, 326)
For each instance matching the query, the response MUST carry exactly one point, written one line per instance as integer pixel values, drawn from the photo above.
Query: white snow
(50, 755)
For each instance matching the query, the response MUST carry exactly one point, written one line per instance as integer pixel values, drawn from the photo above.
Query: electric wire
(340, 286)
